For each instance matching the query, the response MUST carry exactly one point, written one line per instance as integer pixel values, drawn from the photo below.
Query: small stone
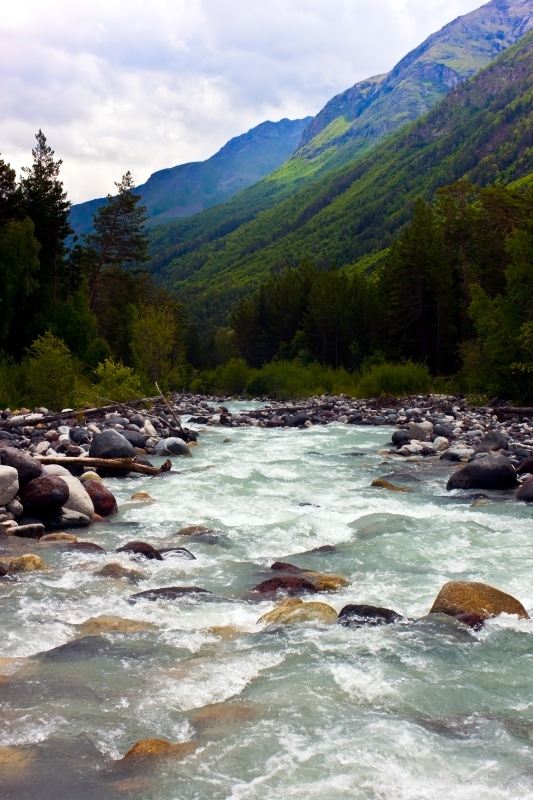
(119, 572)
(143, 497)
(157, 748)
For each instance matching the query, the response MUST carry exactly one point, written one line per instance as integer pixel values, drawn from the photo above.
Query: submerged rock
(65, 538)
(465, 597)
(95, 626)
(195, 530)
(118, 571)
(26, 563)
(358, 616)
(172, 593)
(286, 584)
(492, 472)
(381, 483)
(142, 549)
(294, 610)
(156, 748)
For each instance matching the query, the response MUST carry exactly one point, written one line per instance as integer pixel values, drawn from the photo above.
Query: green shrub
(117, 382)
(396, 380)
(51, 378)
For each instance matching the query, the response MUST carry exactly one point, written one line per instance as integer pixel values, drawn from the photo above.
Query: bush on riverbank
(395, 380)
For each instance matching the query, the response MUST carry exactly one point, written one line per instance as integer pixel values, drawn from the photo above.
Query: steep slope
(482, 130)
(189, 188)
(353, 122)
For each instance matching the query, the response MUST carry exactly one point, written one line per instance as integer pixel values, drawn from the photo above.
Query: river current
(413, 711)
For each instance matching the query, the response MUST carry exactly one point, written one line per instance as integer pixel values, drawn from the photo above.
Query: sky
(142, 85)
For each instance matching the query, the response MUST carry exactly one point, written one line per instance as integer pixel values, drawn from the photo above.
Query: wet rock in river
(111, 444)
(292, 586)
(173, 593)
(104, 502)
(195, 530)
(26, 563)
(381, 483)
(464, 597)
(525, 493)
(142, 497)
(9, 484)
(119, 572)
(178, 552)
(45, 496)
(172, 446)
(27, 467)
(296, 420)
(492, 472)
(400, 438)
(87, 547)
(294, 611)
(61, 538)
(142, 549)
(358, 616)
(157, 748)
(95, 626)
(323, 582)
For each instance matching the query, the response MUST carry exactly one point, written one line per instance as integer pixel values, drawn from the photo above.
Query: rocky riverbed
(347, 585)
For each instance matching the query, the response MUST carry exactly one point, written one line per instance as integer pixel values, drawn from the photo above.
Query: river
(413, 711)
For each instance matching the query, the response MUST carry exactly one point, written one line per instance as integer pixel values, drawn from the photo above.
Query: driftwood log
(122, 464)
(84, 412)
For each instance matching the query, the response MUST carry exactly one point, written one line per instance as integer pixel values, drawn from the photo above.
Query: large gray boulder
(111, 444)
(172, 446)
(9, 484)
(492, 472)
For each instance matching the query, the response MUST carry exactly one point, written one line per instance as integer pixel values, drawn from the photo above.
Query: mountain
(349, 127)
(482, 130)
(189, 188)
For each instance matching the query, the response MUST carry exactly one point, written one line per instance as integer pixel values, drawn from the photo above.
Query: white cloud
(147, 84)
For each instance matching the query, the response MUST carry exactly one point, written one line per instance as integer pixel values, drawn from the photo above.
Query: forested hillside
(482, 131)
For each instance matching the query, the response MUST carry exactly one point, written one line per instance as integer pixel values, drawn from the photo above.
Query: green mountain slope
(482, 130)
(354, 121)
(189, 188)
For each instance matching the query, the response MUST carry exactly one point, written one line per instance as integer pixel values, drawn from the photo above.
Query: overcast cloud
(148, 84)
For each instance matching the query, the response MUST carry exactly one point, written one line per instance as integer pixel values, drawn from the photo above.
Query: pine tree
(118, 238)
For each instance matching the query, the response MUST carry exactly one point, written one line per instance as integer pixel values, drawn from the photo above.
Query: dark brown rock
(171, 593)
(289, 585)
(27, 467)
(525, 466)
(290, 569)
(88, 547)
(45, 496)
(492, 472)
(142, 549)
(473, 621)
(104, 501)
(525, 493)
(466, 597)
(358, 616)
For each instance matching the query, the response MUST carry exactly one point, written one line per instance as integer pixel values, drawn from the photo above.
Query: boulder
(400, 437)
(26, 563)
(95, 626)
(172, 446)
(9, 484)
(358, 616)
(464, 597)
(64, 538)
(457, 454)
(492, 441)
(157, 748)
(525, 493)
(86, 547)
(293, 586)
(111, 444)
(323, 582)
(421, 431)
(79, 499)
(142, 497)
(90, 476)
(67, 518)
(34, 530)
(446, 431)
(493, 472)
(56, 469)
(27, 467)
(173, 593)
(294, 611)
(45, 496)
(134, 438)
(525, 466)
(104, 502)
(297, 419)
(142, 549)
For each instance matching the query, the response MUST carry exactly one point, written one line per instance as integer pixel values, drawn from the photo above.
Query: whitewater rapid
(404, 712)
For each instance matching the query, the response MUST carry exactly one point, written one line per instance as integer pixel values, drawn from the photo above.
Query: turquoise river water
(428, 709)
